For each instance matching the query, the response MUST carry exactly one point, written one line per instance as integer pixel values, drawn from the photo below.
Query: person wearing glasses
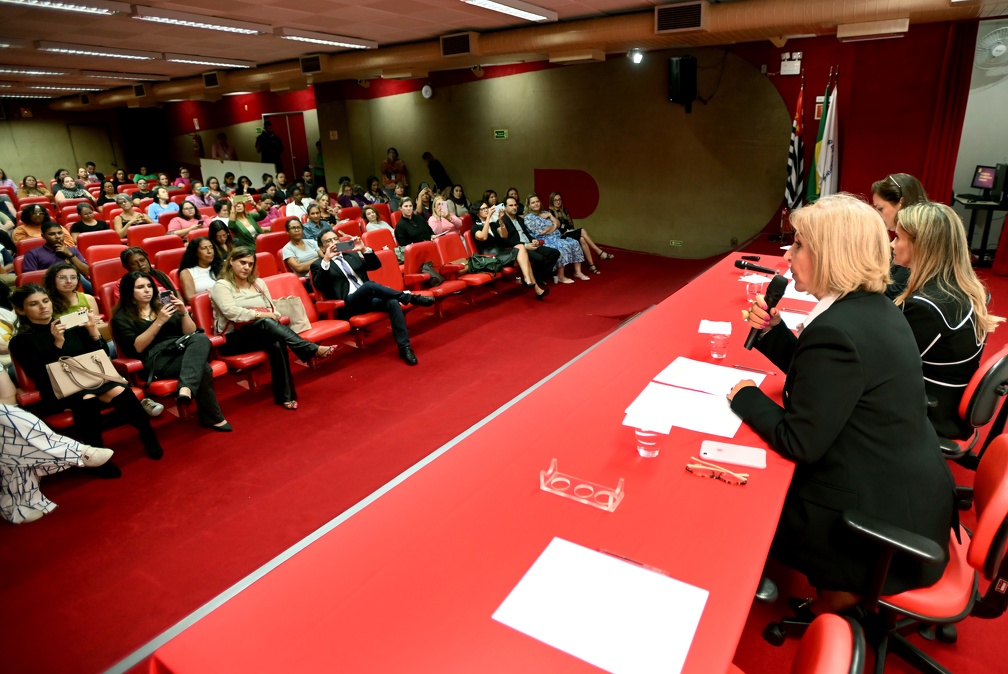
(889, 195)
(946, 306)
(854, 415)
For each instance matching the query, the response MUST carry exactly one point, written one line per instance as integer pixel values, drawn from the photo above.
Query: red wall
(232, 110)
(887, 98)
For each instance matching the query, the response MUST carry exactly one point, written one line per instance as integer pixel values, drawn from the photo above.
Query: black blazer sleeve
(324, 281)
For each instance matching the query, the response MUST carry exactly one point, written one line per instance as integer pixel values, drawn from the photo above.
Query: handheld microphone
(774, 293)
(742, 264)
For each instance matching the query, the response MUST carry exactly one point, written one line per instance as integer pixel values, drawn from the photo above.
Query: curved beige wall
(702, 178)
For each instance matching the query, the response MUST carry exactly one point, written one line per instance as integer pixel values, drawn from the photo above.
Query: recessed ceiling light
(12, 43)
(93, 7)
(198, 21)
(129, 77)
(93, 50)
(207, 61)
(24, 96)
(28, 70)
(635, 55)
(41, 87)
(522, 10)
(324, 39)
(238, 93)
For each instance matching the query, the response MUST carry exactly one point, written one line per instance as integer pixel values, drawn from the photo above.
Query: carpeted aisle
(122, 560)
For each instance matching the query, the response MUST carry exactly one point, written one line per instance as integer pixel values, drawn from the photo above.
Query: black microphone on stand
(742, 264)
(774, 293)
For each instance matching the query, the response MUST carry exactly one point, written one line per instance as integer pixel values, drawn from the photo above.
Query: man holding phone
(341, 274)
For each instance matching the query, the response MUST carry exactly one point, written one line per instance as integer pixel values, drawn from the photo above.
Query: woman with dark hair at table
(40, 340)
(946, 306)
(147, 330)
(579, 234)
(243, 310)
(854, 418)
(889, 195)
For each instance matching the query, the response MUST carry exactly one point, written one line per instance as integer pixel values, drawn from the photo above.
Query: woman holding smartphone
(148, 327)
(40, 340)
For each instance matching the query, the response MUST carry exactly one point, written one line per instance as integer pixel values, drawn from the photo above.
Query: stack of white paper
(613, 614)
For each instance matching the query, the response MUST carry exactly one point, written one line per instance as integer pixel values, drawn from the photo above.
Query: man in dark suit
(340, 276)
(511, 232)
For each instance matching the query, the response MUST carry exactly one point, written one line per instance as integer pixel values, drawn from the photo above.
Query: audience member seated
(424, 204)
(443, 221)
(148, 330)
(120, 178)
(270, 213)
(69, 189)
(8, 324)
(412, 227)
(93, 175)
(298, 203)
(314, 224)
(145, 174)
(842, 435)
(164, 181)
(61, 283)
(578, 234)
(511, 232)
(300, 252)
(375, 194)
(395, 199)
(135, 258)
(244, 222)
(243, 310)
(31, 450)
(489, 244)
(229, 185)
(186, 221)
(373, 221)
(896, 191)
(33, 216)
(40, 340)
(458, 204)
(284, 188)
(946, 306)
(278, 196)
(87, 223)
(544, 226)
(220, 236)
(200, 197)
(143, 192)
(348, 198)
(82, 177)
(131, 215)
(60, 174)
(199, 267)
(182, 182)
(55, 250)
(393, 171)
(330, 213)
(513, 192)
(244, 186)
(343, 276)
(107, 194)
(307, 181)
(30, 187)
(490, 199)
(162, 203)
(214, 190)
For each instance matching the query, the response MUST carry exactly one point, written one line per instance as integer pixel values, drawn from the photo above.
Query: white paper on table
(754, 278)
(706, 377)
(608, 612)
(793, 293)
(714, 327)
(792, 319)
(659, 407)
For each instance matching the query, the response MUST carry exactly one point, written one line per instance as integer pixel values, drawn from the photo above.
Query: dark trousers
(87, 418)
(267, 334)
(192, 369)
(375, 297)
(543, 260)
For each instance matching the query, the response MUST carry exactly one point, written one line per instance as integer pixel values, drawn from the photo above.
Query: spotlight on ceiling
(635, 55)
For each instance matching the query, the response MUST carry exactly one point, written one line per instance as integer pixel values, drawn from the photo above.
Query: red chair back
(156, 244)
(470, 242)
(127, 188)
(388, 274)
(165, 218)
(70, 219)
(396, 217)
(418, 253)
(986, 390)
(18, 265)
(266, 265)
(136, 234)
(105, 237)
(990, 498)
(10, 192)
(103, 273)
(144, 203)
(287, 284)
(379, 239)
(349, 212)
(24, 245)
(349, 227)
(72, 204)
(271, 242)
(168, 260)
(101, 252)
(106, 211)
(831, 645)
(467, 223)
(36, 276)
(207, 212)
(202, 312)
(384, 212)
(106, 299)
(69, 211)
(451, 248)
(202, 231)
(178, 198)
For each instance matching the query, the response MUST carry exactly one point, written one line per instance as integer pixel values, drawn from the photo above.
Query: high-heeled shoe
(291, 405)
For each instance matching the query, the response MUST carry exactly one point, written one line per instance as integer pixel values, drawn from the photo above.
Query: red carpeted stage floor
(120, 561)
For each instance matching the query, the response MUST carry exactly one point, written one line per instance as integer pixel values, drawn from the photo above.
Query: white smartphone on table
(739, 455)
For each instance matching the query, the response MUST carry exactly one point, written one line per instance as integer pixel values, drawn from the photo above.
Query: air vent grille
(687, 17)
(459, 44)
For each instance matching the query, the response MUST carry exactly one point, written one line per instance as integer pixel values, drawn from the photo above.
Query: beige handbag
(292, 307)
(73, 374)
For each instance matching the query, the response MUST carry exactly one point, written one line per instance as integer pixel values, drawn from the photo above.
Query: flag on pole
(814, 178)
(795, 191)
(827, 164)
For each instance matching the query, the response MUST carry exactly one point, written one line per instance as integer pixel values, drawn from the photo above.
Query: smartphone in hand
(344, 246)
(166, 297)
(78, 317)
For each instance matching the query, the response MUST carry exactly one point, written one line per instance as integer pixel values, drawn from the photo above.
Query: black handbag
(485, 264)
(168, 350)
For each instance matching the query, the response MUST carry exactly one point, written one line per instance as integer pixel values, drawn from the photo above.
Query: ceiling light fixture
(522, 10)
(128, 77)
(24, 96)
(323, 38)
(12, 43)
(94, 7)
(40, 87)
(93, 50)
(198, 21)
(26, 70)
(635, 55)
(191, 59)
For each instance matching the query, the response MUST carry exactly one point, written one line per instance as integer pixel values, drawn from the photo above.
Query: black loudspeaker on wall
(682, 80)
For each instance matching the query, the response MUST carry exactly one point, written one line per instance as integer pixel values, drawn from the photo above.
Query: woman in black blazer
(854, 417)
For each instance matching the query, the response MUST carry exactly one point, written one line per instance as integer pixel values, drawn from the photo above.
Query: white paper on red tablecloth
(707, 377)
(614, 614)
(659, 407)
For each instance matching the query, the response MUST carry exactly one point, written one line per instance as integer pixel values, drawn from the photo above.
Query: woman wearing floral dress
(544, 225)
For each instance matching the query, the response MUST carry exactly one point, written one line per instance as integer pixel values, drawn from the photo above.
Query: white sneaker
(152, 407)
(95, 456)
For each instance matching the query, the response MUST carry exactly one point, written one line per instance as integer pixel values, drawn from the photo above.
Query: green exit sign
(500, 134)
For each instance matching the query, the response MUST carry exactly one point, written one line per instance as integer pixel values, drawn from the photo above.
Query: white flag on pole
(827, 164)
